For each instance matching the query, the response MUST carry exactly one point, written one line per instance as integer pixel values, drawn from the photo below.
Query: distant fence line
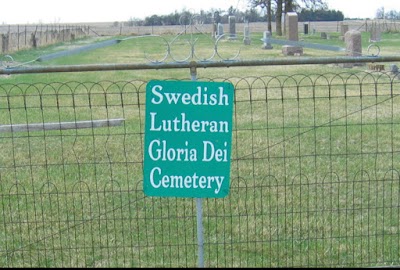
(18, 37)
(15, 38)
(124, 28)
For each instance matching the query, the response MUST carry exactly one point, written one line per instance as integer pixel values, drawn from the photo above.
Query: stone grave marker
(343, 30)
(292, 34)
(220, 30)
(375, 32)
(246, 38)
(232, 27)
(353, 46)
(267, 44)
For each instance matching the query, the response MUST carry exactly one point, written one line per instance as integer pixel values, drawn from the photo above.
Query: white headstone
(266, 39)
(246, 38)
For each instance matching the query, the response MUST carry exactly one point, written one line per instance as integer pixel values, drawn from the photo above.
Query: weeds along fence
(19, 37)
(315, 178)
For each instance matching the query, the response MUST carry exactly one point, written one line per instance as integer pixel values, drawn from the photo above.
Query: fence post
(18, 37)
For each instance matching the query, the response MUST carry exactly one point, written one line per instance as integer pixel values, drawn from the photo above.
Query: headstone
(4, 43)
(292, 31)
(353, 46)
(220, 30)
(292, 34)
(246, 39)
(375, 32)
(292, 50)
(214, 30)
(306, 29)
(232, 27)
(353, 43)
(394, 69)
(343, 30)
(266, 39)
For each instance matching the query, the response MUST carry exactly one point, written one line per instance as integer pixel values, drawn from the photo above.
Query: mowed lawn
(314, 167)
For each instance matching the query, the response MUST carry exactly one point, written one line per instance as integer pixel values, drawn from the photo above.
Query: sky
(73, 11)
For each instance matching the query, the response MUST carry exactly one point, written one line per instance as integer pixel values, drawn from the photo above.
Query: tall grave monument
(216, 21)
(353, 46)
(292, 34)
(232, 27)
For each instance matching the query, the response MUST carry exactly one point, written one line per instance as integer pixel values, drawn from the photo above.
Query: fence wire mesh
(314, 177)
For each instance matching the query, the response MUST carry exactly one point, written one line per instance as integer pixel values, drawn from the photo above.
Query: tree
(278, 4)
(269, 14)
(392, 15)
(380, 13)
(251, 15)
(153, 20)
(289, 6)
(314, 4)
(265, 4)
(278, 23)
(320, 15)
(284, 6)
(231, 11)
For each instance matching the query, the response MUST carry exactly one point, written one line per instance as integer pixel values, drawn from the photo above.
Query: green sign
(188, 137)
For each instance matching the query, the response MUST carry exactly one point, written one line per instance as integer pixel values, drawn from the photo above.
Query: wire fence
(314, 177)
(19, 37)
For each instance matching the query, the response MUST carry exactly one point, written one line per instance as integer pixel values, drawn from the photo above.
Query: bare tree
(278, 23)
(269, 15)
(380, 13)
(265, 4)
(284, 6)
(289, 6)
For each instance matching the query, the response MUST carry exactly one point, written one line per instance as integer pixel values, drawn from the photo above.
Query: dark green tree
(153, 20)
(320, 15)
(251, 15)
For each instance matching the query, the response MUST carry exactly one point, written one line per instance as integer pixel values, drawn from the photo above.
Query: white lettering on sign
(159, 150)
(181, 124)
(188, 136)
(201, 97)
(157, 180)
(211, 153)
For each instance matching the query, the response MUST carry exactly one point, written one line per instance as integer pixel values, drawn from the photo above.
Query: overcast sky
(56, 11)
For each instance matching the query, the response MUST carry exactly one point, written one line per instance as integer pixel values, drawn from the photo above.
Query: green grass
(314, 170)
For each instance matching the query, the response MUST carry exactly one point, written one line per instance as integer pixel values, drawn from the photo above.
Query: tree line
(307, 10)
(390, 15)
(260, 11)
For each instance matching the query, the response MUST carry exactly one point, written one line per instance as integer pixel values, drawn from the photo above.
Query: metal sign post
(200, 237)
(199, 205)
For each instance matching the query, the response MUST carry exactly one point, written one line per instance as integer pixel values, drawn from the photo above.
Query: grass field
(314, 167)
